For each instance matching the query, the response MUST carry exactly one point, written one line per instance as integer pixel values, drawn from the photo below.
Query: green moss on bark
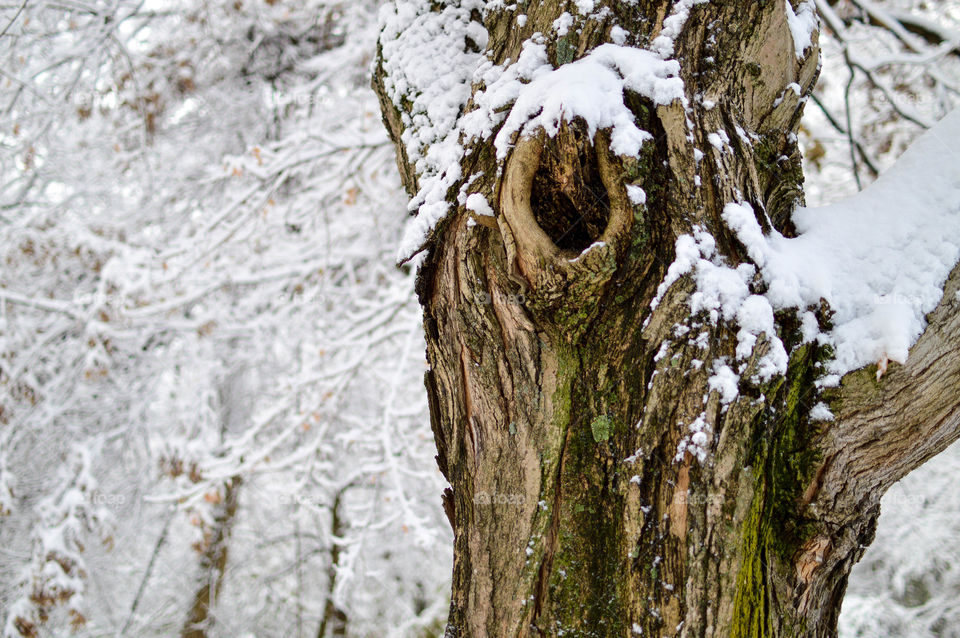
(784, 462)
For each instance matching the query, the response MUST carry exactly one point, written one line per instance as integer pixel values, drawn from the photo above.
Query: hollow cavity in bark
(569, 199)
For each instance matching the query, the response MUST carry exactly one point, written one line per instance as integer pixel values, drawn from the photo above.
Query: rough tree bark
(557, 423)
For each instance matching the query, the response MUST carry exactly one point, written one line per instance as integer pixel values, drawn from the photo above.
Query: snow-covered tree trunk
(639, 439)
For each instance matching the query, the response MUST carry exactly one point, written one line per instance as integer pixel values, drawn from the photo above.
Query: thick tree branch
(886, 429)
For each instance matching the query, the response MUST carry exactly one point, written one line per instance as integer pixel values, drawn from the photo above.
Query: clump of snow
(719, 140)
(662, 352)
(689, 250)
(672, 25)
(697, 442)
(740, 219)
(585, 7)
(803, 24)
(820, 412)
(725, 381)
(637, 196)
(478, 204)
(618, 35)
(562, 24)
(703, 340)
(592, 89)
(755, 316)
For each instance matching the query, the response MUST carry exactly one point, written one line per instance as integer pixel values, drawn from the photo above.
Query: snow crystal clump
(725, 381)
(697, 441)
(585, 7)
(755, 317)
(719, 140)
(820, 412)
(689, 250)
(478, 204)
(618, 35)
(562, 24)
(637, 196)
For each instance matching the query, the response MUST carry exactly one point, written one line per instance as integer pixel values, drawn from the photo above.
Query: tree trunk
(600, 485)
(213, 564)
(334, 621)
(234, 408)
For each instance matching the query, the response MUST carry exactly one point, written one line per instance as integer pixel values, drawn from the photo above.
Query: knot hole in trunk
(568, 197)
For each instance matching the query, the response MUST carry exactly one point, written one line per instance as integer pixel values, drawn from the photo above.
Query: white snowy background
(199, 220)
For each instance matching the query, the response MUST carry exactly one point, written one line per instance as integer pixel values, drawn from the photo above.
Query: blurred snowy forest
(210, 366)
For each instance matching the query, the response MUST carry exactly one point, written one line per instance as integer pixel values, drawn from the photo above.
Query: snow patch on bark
(562, 24)
(803, 23)
(592, 89)
(820, 412)
(428, 67)
(725, 381)
(723, 293)
(637, 195)
(697, 442)
(663, 44)
(478, 204)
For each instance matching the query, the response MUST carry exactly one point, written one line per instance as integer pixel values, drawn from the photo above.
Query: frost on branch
(56, 575)
(249, 224)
